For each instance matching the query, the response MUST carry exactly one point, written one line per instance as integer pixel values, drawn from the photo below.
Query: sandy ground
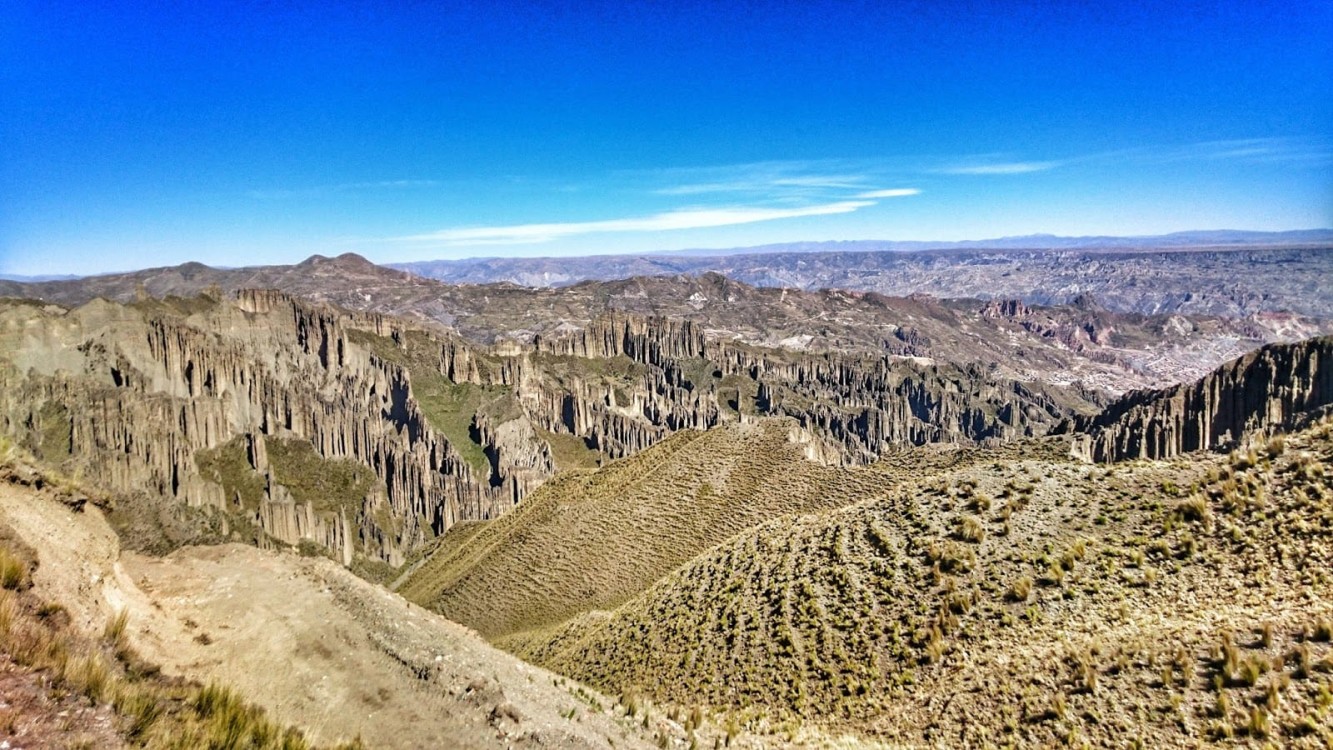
(314, 645)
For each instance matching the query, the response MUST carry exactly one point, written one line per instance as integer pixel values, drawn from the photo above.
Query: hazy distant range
(551, 271)
(1206, 272)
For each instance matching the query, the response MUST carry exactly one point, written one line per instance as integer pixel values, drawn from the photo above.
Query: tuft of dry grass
(114, 632)
(970, 529)
(1020, 590)
(13, 571)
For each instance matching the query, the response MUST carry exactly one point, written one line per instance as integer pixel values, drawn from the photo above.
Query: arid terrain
(1078, 338)
(357, 664)
(664, 511)
(1150, 278)
(668, 375)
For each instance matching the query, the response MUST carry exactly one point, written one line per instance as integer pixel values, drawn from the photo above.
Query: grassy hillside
(593, 539)
(1010, 601)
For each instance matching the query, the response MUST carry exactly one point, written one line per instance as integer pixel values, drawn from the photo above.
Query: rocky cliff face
(862, 404)
(1267, 389)
(1073, 341)
(134, 395)
(290, 422)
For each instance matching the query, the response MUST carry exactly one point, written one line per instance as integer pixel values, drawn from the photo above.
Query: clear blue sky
(147, 133)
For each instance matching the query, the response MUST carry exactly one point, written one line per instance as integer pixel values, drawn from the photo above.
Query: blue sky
(145, 133)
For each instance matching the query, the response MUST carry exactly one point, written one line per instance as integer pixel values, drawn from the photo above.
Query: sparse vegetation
(838, 594)
(154, 711)
(680, 510)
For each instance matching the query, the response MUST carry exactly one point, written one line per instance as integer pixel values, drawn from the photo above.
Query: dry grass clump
(1322, 630)
(970, 529)
(1020, 590)
(114, 632)
(13, 571)
(1194, 509)
(1277, 445)
(980, 503)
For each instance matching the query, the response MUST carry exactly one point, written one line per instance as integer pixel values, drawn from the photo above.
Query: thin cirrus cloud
(1001, 168)
(1252, 150)
(889, 193)
(778, 184)
(693, 218)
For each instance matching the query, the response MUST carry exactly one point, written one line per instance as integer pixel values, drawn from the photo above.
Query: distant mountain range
(39, 278)
(1175, 240)
(1215, 273)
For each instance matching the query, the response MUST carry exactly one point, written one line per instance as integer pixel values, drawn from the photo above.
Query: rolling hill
(969, 596)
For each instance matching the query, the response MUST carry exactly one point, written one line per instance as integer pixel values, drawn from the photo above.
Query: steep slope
(259, 419)
(593, 539)
(1034, 602)
(1268, 389)
(355, 661)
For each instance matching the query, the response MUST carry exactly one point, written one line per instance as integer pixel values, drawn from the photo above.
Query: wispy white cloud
(1250, 150)
(767, 184)
(1001, 168)
(691, 218)
(889, 193)
(342, 187)
(810, 181)
(1265, 150)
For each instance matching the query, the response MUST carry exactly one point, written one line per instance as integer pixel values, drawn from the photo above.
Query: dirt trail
(314, 645)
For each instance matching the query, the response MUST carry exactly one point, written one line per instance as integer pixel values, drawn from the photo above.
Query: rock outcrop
(1269, 389)
(183, 398)
(134, 399)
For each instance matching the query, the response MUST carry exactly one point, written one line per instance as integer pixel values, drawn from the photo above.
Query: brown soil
(33, 717)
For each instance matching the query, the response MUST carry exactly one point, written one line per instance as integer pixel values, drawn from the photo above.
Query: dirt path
(313, 644)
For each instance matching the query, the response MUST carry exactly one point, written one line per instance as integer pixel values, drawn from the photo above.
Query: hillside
(1035, 600)
(661, 507)
(357, 663)
(726, 572)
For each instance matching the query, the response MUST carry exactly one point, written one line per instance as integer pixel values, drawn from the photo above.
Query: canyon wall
(183, 398)
(1269, 389)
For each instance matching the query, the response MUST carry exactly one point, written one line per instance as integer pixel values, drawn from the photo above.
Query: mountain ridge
(1232, 282)
(1062, 343)
(1194, 238)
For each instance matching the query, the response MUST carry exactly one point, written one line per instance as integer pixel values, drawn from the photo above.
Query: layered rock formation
(184, 399)
(1106, 346)
(864, 404)
(134, 395)
(1269, 389)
